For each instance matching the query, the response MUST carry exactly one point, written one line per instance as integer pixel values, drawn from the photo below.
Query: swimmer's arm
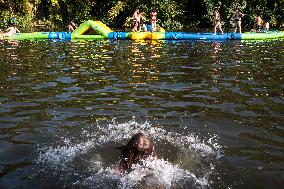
(118, 170)
(17, 30)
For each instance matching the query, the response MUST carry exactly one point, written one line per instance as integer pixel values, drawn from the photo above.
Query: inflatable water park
(104, 32)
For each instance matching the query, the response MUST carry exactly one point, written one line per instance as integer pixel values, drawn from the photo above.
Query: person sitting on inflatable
(11, 31)
(266, 26)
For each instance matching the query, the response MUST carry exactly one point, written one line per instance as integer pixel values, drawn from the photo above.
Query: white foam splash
(154, 173)
(158, 171)
(59, 157)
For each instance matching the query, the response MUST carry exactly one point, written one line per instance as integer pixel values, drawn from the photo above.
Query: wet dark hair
(133, 154)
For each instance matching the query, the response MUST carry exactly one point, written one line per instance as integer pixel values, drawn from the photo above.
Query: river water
(214, 110)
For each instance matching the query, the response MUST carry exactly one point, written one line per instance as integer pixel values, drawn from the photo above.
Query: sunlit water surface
(214, 111)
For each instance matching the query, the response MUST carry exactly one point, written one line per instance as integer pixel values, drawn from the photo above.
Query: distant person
(136, 20)
(12, 18)
(11, 31)
(1, 34)
(135, 151)
(266, 26)
(154, 20)
(142, 26)
(72, 26)
(238, 20)
(217, 20)
(258, 23)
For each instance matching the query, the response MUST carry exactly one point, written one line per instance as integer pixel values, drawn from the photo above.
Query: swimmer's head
(138, 148)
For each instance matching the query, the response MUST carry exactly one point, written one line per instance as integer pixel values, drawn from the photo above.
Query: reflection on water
(213, 109)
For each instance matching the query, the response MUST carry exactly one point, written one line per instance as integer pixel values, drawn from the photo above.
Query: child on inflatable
(72, 26)
(238, 21)
(217, 20)
(11, 31)
(266, 26)
(136, 20)
(258, 23)
(154, 20)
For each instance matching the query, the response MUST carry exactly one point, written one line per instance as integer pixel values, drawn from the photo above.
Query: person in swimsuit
(154, 20)
(135, 151)
(137, 20)
(11, 31)
(217, 20)
(266, 26)
(238, 21)
(72, 26)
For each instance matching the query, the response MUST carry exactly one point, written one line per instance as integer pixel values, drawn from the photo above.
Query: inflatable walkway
(104, 32)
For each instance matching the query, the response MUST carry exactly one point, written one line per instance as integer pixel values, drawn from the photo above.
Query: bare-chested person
(217, 20)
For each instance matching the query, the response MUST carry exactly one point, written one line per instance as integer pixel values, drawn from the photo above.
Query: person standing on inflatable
(217, 20)
(238, 20)
(258, 23)
(154, 20)
(137, 20)
(72, 26)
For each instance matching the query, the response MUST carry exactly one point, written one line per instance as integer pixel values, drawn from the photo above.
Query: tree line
(172, 14)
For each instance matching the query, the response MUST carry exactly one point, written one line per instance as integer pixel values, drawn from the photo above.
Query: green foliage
(116, 9)
(172, 14)
(4, 18)
(25, 23)
(169, 14)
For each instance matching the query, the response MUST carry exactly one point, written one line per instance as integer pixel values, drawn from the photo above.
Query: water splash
(84, 149)
(153, 173)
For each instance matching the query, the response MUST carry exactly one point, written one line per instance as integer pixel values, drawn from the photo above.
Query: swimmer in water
(135, 151)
